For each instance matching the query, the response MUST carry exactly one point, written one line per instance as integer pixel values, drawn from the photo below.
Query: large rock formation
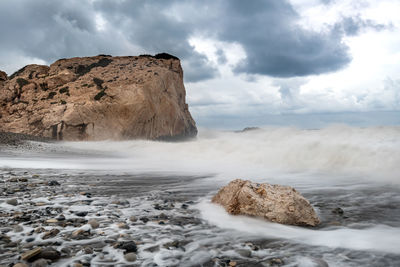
(276, 203)
(96, 98)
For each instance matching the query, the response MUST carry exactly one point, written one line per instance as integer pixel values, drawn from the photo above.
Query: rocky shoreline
(51, 216)
(18, 139)
(46, 221)
(61, 219)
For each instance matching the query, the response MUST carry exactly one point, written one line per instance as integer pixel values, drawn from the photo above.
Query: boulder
(275, 203)
(98, 98)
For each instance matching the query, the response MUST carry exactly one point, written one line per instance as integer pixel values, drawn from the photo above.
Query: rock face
(97, 98)
(276, 203)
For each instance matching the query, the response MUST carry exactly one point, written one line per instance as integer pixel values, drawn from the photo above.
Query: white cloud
(370, 82)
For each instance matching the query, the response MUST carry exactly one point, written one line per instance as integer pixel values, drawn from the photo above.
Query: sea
(350, 175)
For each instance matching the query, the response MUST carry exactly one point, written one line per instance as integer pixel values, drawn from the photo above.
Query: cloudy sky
(245, 62)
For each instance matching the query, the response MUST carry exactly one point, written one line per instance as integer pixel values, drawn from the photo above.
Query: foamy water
(354, 168)
(338, 150)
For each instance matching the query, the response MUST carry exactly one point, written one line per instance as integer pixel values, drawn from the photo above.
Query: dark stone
(61, 218)
(81, 213)
(53, 183)
(49, 254)
(12, 201)
(144, 219)
(128, 246)
(338, 211)
(163, 216)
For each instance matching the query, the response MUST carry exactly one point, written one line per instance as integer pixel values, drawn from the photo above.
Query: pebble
(338, 211)
(12, 201)
(94, 223)
(133, 219)
(232, 263)
(40, 263)
(144, 219)
(122, 226)
(53, 183)
(18, 228)
(128, 246)
(244, 253)
(275, 261)
(130, 256)
(31, 253)
(77, 232)
(20, 264)
(11, 245)
(61, 218)
(81, 213)
(49, 254)
(66, 252)
(50, 234)
(87, 250)
(52, 221)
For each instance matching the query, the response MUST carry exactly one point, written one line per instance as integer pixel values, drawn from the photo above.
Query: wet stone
(18, 228)
(30, 254)
(130, 256)
(129, 246)
(49, 254)
(244, 253)
(40, 263)
(87, 250)
(123, 226)
(50, 234)
(65, 252)
(275, 262)
(11, 245)
(81, 213)
(61, 218)
(94, 223)
(144, 219)
(152, 249)
(338, 211)
(80, 234)
(13, 202)
(53, 183)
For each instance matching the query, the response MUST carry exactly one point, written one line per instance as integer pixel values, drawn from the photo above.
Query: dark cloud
(275, 45)
(267, 30)
(151, 26)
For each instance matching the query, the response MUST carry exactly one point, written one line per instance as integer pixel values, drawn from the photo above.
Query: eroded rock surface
(97, 98)
(276, 203)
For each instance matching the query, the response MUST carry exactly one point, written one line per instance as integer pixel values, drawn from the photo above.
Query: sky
(246, 63)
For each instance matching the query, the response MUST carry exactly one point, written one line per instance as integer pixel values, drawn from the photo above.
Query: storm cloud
(275, 45)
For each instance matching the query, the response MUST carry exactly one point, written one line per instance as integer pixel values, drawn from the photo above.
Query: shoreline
(19, 139)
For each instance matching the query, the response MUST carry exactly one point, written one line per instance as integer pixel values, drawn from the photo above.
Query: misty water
(354, 169)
